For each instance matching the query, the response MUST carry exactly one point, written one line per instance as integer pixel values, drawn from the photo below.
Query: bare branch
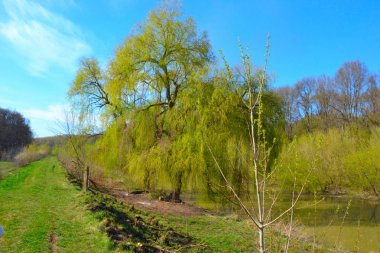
(233, 191)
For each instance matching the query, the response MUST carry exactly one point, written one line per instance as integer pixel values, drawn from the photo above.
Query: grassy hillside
(42, 212)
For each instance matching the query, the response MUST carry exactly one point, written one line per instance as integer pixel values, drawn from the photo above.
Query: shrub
(32, 153)
(339, 157)
(364, 167)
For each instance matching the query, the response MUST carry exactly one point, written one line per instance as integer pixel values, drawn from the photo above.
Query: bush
(338, 158)
(32, 153)
(364, 167)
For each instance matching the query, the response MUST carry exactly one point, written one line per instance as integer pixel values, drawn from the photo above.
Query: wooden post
(86, 178)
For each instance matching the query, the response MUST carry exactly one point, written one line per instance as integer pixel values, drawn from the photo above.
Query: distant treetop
(15, 133)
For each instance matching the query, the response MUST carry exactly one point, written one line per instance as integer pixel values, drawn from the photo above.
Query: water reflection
(352, 224)
(335, 211)
(312, 210)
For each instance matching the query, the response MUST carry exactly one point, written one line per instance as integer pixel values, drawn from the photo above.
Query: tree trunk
(86, 177)
(261, 239)
(372, 185)
(176, 194)
(374, 189)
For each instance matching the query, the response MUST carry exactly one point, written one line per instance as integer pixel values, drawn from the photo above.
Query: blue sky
(42, 41)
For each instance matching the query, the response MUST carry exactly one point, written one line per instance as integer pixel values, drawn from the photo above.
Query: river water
(342, 222)
(337, 222)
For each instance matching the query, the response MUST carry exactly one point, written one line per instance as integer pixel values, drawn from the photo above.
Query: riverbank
(341, 224)
(41, 211)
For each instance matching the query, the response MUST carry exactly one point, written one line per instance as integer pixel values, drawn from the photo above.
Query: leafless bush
(31, 153)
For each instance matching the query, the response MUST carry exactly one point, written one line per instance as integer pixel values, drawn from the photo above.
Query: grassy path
(42, 212)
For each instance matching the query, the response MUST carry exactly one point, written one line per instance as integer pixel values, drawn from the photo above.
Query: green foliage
(340, 160)
(109, 149)
(364, 168)
(163, 108)
(157, 62)
(84, 78)
(142, 98)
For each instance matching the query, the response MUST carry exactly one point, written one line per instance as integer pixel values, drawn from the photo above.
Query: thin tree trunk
(374, 189)
(86, 177)
(175, 196)
(261, 239)
(371, 185)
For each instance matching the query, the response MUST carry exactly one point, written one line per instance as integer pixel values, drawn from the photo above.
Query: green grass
(38, 205)
(5, 164)
(229, 234)
(220, 233)
(5, 168)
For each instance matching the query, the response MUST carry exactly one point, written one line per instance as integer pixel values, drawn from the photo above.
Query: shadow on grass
(134, 230)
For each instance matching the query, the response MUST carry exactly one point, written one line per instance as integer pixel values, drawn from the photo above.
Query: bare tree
(351, 96)
(261, 217)
(371, 108)
(78, 131)
(289, 105)
(305, 90)
(323, 98)
(351, 84)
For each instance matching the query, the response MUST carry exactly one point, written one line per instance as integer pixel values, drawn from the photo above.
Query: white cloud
(53, 113)
(42, 38)
(45, 122)
(52, 120)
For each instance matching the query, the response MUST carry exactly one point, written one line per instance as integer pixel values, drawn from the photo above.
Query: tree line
(352, 96)
(165, 103)
(332, 123)
(15, 133)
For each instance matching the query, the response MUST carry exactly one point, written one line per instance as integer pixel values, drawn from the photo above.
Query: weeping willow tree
(162, 106)
(224, 125)
(139, 97)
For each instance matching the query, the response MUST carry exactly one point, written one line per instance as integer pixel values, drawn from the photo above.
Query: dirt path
(144, 201)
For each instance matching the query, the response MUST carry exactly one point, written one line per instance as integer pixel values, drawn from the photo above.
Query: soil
(53, 238)
(134, 230)
(144, 201)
